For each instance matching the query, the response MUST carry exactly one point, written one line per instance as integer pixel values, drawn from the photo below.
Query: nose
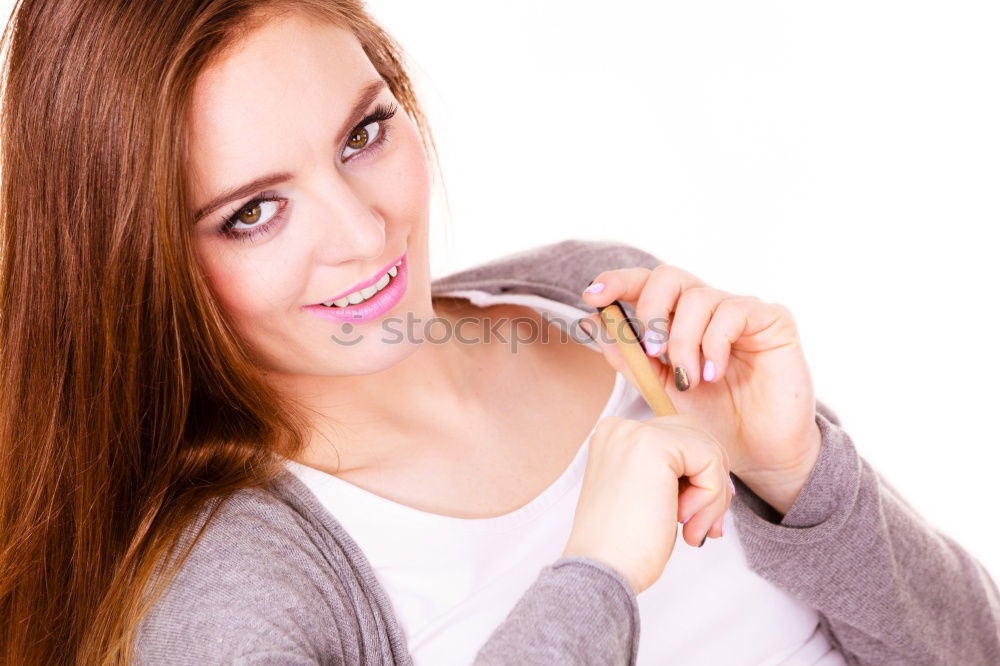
(345, 223)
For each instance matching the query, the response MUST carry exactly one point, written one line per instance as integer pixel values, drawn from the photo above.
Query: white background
(840, 158)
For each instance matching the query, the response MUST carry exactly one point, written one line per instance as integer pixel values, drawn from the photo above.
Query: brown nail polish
(681, 378)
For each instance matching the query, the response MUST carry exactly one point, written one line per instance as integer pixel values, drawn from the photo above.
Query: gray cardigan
(275, 579)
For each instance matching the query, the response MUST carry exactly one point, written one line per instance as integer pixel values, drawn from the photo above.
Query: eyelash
(381, 114)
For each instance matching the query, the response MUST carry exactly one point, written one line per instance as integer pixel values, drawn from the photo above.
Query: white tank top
(452, 581)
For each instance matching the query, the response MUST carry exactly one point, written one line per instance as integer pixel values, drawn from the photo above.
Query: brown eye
(359, 139)
(251, 215)
(362, 137)
(245, 218)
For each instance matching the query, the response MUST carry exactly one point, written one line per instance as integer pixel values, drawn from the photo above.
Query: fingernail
(594, 288)
(709, 370)
(586, 325)
(653, 342)
(685, 521)
(681, 378)
(703, 539)
(732, 486)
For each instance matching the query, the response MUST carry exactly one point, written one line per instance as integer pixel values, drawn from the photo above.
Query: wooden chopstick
(627, 338)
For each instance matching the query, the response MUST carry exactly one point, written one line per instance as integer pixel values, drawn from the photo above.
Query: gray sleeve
(578, 611)
(890, 588)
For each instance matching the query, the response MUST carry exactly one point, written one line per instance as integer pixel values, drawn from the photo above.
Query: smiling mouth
(371, 288)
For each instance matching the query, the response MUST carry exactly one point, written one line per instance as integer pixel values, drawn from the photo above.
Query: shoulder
(559, 270)
(252, 583)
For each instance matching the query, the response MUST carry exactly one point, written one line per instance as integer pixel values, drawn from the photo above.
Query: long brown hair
(127, 403)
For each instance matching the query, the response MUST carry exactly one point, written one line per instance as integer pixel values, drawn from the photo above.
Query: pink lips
(374, 307)
(366, 283)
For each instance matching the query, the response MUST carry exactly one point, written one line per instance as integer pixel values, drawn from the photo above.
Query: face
(349, 197)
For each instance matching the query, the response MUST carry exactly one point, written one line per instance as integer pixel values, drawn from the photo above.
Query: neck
(360, 420)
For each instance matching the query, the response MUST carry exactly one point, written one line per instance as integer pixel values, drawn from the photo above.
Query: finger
(701, 525)
(627, 284)
(718, 529)
(702, 499)
(657, 300)
(692, 501)
(702, 468)
(734, 318)
(694, 311)
(623, 284)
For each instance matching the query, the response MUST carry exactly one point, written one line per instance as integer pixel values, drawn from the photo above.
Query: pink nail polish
(685, 521)
(653, 343)
(595, 288)
(732, 486)
(709, 374)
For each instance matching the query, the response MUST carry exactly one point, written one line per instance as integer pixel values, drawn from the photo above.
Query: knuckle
(716, 462)
(665, 269)
(783, 309)
(721, 453)
(645, 433)
(731, 304)
(607, 424)
(633, 273)
(656, 432)
(611, 428)
(700, 294)
(678, 274)
(677, 342)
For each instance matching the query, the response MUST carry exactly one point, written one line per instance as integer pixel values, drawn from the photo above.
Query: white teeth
(367, 292)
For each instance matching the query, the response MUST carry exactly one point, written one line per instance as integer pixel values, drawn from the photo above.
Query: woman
(210, 456)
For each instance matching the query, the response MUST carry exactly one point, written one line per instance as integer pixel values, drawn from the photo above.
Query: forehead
(273, 101)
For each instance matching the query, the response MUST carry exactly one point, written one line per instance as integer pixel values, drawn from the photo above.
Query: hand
(632, 499)
(760, 404)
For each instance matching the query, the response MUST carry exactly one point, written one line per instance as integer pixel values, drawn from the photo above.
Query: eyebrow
(368, 94)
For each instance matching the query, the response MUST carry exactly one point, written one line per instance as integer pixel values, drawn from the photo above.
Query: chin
(379, 352)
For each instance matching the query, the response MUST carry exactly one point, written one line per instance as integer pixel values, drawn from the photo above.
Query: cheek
(250, 287)
(409, 174)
